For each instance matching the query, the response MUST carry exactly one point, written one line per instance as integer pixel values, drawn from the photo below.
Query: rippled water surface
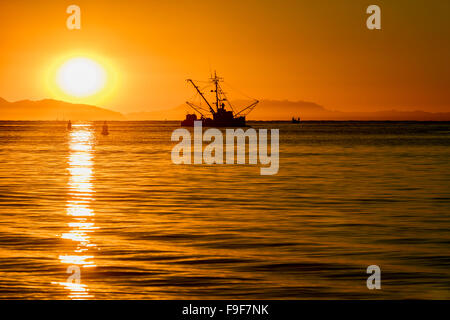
(348, 195)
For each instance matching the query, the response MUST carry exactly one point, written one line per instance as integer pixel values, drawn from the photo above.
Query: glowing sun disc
(81, 77)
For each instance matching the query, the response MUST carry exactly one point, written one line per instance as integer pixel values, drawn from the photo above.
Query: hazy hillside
(266, 110)
(285, 110)
(53, 109)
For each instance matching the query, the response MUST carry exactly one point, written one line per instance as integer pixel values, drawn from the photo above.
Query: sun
(81, 77)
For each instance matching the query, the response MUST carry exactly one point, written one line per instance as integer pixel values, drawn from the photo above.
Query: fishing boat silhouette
(221, 116)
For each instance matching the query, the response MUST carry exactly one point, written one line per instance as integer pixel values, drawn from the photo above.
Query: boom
(201, 94)
(249, 108)
(193, 106)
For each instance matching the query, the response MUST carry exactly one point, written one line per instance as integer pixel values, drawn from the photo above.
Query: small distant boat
(105, 131)
(295, 120)
(69, 125)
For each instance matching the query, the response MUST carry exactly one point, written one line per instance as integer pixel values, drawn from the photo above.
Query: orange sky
(317, 51)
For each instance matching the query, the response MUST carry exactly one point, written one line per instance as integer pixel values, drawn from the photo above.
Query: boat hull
(216, 123)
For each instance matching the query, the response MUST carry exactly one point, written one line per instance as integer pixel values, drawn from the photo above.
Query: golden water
(348, 195)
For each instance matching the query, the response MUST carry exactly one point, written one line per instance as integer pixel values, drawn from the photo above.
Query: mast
(217, 92)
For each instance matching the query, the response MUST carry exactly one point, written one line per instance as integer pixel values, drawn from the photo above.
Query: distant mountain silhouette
(285, 110)
(49, 109)
(265, 110)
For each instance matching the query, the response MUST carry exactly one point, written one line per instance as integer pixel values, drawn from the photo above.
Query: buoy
(105, 131)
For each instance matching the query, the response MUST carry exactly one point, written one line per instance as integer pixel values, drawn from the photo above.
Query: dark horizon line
(352, 115)
(177, 121)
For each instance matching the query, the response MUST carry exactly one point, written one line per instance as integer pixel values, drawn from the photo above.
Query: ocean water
(347, 195)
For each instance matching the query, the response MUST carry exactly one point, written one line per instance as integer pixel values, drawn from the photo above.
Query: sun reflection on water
(82, 224)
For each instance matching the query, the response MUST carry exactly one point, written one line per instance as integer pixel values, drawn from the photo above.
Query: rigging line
(247, 96)
(249, 108)
(197, 106)
(226, 99)
(200, 81)
(194, 96)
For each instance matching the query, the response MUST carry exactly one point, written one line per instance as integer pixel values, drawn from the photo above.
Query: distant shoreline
(50, 110)
(249, 121)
